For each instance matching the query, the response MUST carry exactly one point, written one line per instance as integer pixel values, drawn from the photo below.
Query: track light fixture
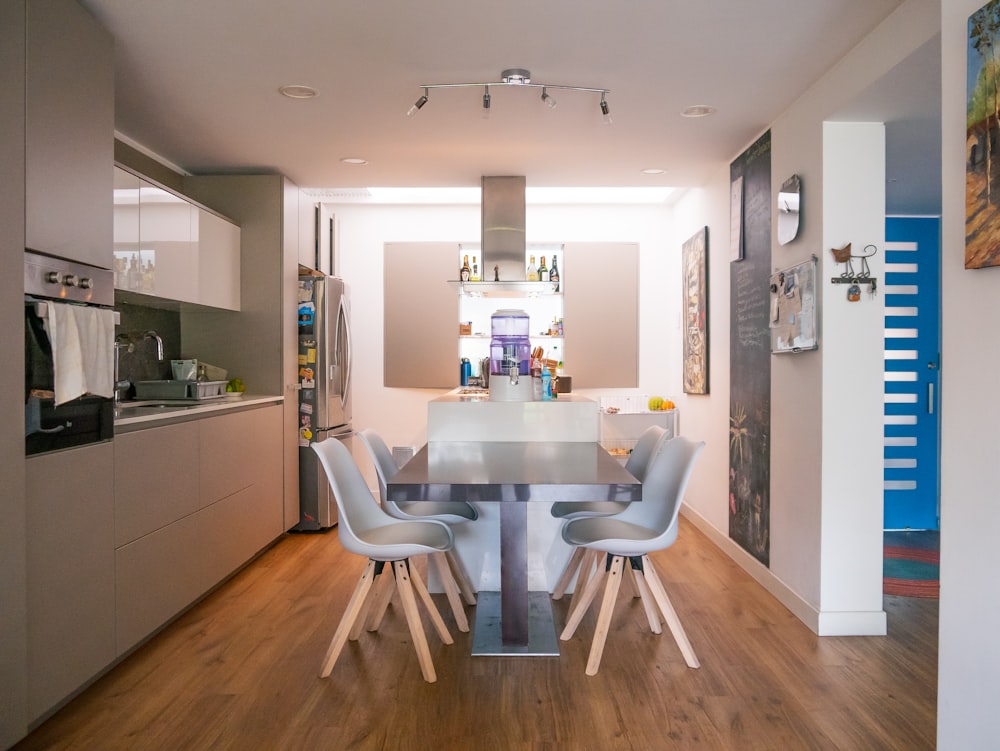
(605, 111)
(417, 104)
(515, 77)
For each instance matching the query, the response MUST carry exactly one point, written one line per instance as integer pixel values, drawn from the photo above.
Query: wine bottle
(532, 273)
(475, 270)
(465, 273)
(554, 273)
(543, 271)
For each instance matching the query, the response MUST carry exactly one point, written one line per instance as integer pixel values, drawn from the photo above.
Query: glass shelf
(505, 289)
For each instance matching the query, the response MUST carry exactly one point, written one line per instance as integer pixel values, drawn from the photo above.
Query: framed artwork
(982, 166)
(694, 262)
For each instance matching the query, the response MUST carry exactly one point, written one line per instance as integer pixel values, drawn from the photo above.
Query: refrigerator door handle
(345, 346)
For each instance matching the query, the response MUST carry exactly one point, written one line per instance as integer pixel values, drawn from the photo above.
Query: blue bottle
(465, 371)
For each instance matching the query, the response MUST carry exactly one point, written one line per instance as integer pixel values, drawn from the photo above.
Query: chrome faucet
(159, 343)
(122, 341)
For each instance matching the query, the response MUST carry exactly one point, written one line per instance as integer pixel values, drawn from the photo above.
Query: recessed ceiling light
(297, 91)
(653, 171)
(353, 160)
(698, 110)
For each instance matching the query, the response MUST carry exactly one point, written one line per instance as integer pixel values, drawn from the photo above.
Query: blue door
(912, 367)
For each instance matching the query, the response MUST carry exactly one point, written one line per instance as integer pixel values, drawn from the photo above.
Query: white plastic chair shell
(363, 527)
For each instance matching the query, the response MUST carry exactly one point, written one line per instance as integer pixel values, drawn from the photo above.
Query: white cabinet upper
(168, 247)
(69, 133)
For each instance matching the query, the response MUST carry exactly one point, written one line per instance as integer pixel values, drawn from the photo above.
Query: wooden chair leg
(376, 612)
(582, 603)
(572, 565)
(354, 607)
(669, 614)
(405, 589)
(592, 560)
(614, 578)
(629, 582)
(461, 577)
(451, 591)
(432, 611)
(648, 604)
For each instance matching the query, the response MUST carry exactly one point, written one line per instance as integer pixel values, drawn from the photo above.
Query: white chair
(632, 535)
(452, 573)
(582, 562)
(365, 529)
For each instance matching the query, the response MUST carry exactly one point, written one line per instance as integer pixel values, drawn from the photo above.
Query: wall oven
(89, 417)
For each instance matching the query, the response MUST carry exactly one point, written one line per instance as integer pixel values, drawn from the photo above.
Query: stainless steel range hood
(504, 243)
(503, 220)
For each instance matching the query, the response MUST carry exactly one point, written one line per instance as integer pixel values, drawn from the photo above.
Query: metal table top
(488, 471)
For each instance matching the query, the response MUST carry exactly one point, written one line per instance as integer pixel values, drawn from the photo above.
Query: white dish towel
(82, 341)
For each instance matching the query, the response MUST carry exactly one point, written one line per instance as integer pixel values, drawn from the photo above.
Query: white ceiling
(197, 83)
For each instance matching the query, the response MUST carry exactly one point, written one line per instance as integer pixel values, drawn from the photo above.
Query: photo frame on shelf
(695, 300)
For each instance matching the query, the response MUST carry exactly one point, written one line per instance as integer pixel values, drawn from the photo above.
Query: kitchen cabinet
(69, 134)
(167, 247)
(601, 311)
(71, 571)
(420, 316)
(317, 246)
(193, 502)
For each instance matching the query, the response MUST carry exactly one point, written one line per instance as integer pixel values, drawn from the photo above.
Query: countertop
(138, 415)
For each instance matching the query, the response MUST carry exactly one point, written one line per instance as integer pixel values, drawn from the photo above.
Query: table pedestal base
(487, 638)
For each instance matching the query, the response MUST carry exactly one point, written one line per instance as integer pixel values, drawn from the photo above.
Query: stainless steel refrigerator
(324, 391)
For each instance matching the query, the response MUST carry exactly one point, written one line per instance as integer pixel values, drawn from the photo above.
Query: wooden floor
(239, 671)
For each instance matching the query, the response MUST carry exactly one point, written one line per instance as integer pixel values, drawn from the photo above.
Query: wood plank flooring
(240, 671)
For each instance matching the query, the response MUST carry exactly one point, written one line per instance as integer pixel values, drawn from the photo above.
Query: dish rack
(190, 390)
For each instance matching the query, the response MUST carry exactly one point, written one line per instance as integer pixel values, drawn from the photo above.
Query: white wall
(969, 650)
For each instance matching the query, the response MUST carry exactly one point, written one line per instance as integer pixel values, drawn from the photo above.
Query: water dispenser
(510, 356)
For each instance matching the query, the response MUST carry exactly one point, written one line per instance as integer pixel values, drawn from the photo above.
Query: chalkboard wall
(750, 358)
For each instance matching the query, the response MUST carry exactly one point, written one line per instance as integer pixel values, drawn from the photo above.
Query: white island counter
(463, 415)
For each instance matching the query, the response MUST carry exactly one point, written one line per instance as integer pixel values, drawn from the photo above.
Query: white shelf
(506, 289)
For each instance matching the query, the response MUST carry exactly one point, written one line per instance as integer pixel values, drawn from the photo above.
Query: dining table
(513, 474)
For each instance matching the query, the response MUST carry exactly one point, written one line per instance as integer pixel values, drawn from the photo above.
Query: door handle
(930, 398)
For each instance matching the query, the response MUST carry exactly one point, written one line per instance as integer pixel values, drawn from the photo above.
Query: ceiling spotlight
(297, 91)
(353, 160)
(698, 110)
(514, 77)
(605, 111)
(417, 104)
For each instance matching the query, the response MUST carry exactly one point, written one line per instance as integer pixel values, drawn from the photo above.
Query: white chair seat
(393, 542)
(583, 509)
(611, 535)
(449, 512)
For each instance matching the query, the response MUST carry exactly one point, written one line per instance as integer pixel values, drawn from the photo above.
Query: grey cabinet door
(69, 138)
(600, 284)
(420, 316)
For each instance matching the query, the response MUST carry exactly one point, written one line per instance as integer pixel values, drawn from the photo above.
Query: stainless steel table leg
(514, 572)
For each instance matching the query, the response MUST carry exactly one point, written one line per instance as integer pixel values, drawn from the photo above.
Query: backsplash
(141, 364)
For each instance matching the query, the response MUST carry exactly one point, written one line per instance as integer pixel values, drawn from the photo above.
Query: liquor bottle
(543, 271)
(532, 273)
(475, 270)
(465, 273)
(554, 273)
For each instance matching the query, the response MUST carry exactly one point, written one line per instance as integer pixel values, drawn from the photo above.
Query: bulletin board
(792, 311)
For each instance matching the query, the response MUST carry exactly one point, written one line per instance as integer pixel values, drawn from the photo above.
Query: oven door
(87, 419)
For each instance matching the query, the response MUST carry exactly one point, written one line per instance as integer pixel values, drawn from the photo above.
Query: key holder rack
(852, 277)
